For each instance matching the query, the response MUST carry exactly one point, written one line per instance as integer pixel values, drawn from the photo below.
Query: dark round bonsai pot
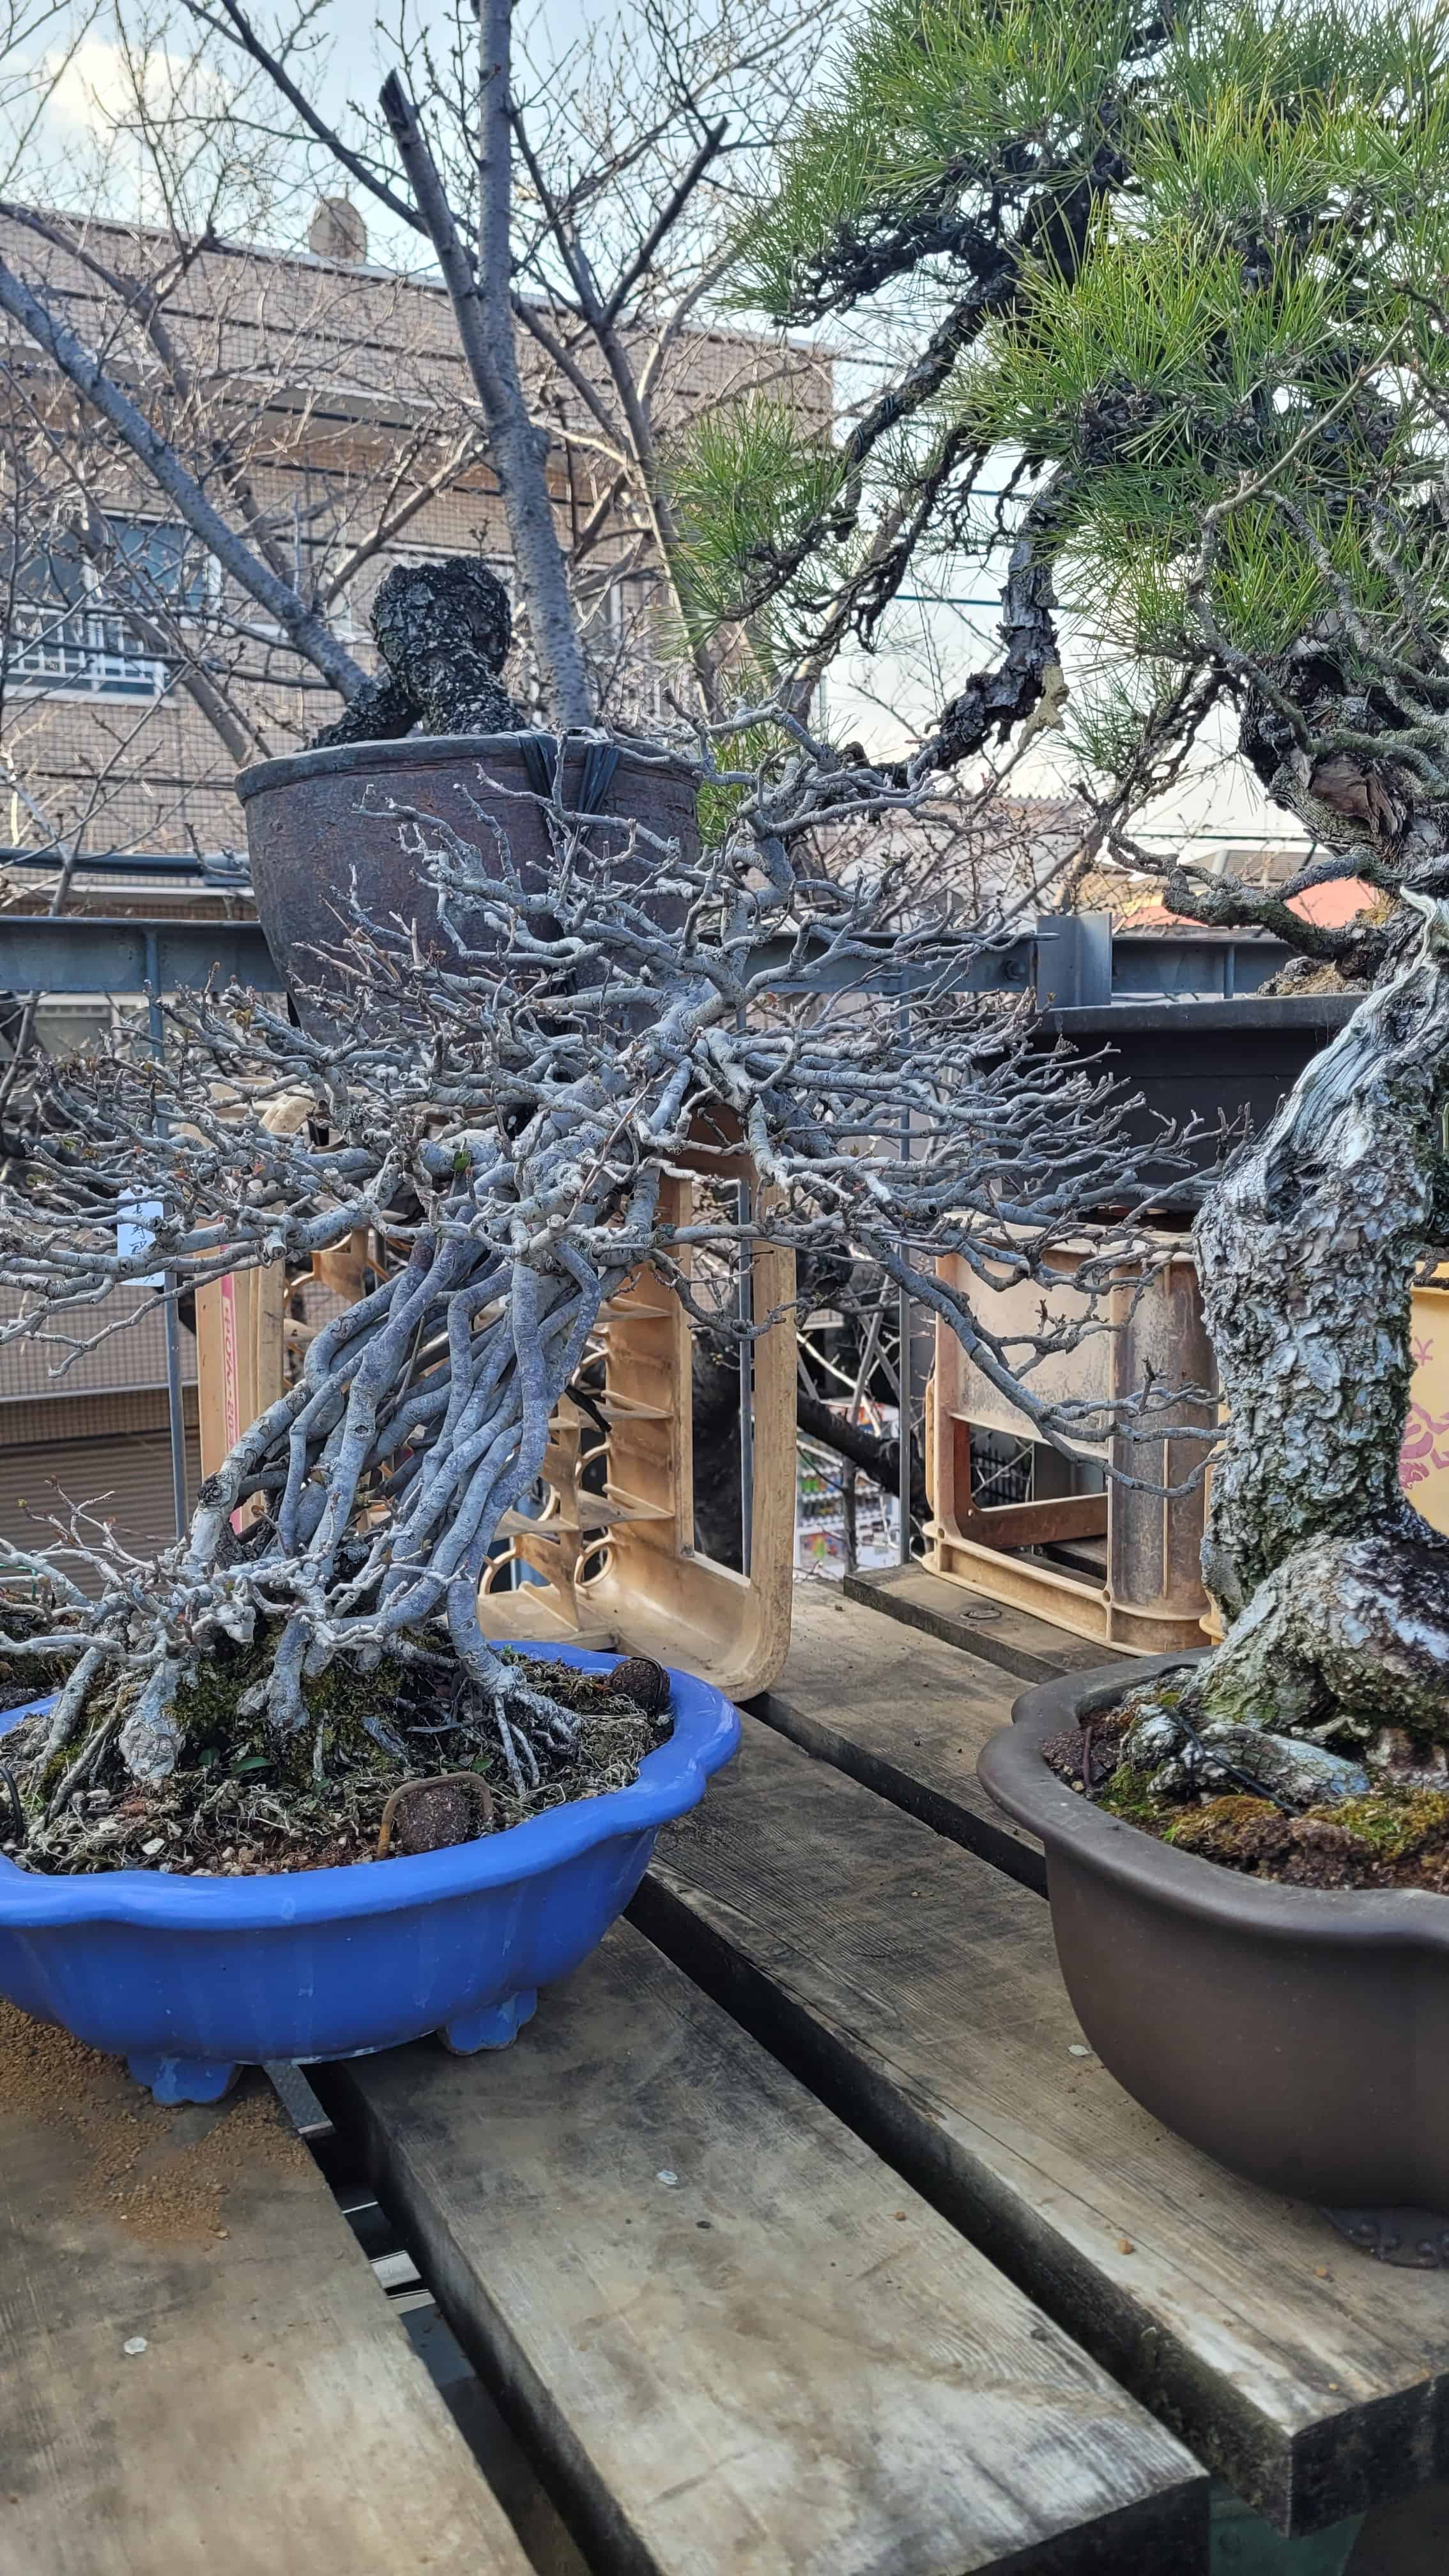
(1301, 2037)
(320, 822)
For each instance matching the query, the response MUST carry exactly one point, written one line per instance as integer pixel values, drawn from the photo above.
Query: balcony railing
(79, 650)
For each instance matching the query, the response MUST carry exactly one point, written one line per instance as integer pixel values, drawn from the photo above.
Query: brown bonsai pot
(318, 821)
(1299, 2036)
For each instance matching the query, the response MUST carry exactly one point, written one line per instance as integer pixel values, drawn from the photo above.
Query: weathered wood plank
(902, 1714)
(276, 2420)
(738, 2341)
(1029, 1648)
(917, 1990)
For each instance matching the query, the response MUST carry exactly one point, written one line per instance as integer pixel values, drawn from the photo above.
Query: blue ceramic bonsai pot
(189, 1978)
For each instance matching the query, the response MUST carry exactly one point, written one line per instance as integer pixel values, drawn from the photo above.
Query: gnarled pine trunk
(1337, 1590)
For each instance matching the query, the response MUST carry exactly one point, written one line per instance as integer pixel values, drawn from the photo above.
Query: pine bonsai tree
(1183, 271)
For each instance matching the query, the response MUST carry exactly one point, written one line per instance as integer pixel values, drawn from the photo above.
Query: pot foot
(184, 2079)
(495, 2028)
(1413, 2240)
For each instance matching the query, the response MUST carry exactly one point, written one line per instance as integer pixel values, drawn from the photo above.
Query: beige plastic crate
(1149, 1599)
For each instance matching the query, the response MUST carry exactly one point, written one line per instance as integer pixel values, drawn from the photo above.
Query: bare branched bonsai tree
(502, 1115)
(1184, 275)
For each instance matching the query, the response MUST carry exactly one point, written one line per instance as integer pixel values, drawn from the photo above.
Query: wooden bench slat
(904, 1715)
(779, 2360)
(1030, 1649)
(917, 1990)
(276, 2421)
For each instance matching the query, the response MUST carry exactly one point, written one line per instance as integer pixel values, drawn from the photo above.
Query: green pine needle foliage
(1218, 324)
(743, 485)
(926, 103)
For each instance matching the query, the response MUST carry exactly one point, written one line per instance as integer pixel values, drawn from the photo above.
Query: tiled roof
(1135, 903)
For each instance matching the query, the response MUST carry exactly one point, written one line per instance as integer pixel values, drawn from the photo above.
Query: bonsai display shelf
(1138, 1589)
(797, 2236)
(609, 1559)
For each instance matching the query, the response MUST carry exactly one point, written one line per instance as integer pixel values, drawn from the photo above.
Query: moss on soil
(1128, 1794)
(1394, 1836)
(1398, 1823)
(1390, 1838)
(339, 1702)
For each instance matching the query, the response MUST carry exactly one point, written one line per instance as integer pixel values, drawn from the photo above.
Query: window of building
(66, 632)
(620, 636)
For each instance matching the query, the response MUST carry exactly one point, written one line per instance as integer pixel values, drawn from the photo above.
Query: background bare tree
(164, 357)
(630, 154)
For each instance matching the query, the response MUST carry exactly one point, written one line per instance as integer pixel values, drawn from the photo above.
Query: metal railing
(82, 650)
(1068, 961)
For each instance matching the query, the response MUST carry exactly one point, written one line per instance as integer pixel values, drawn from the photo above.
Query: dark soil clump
(242, 1803)
(1396, 1836)
(1088, 1755)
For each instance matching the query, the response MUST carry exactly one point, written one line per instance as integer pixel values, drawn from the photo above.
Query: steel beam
(82, 953)
(1070, 961)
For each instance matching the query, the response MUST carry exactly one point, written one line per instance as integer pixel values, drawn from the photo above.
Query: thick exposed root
(1348, 1633)
(1313, 1747)
(152, 1735)
(1334, 1679)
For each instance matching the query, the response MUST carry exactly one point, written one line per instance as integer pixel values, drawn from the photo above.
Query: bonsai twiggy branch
(503, 1116)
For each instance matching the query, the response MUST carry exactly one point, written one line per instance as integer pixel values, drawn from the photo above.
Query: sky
(931, 644)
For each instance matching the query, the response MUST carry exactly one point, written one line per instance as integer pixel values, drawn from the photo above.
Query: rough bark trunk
(1337, 1590)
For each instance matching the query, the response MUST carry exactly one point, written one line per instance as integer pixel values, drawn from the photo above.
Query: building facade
(325, 405)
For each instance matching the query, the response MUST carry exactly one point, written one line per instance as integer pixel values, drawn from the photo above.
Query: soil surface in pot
(241, 1802)
(1394, 1836)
